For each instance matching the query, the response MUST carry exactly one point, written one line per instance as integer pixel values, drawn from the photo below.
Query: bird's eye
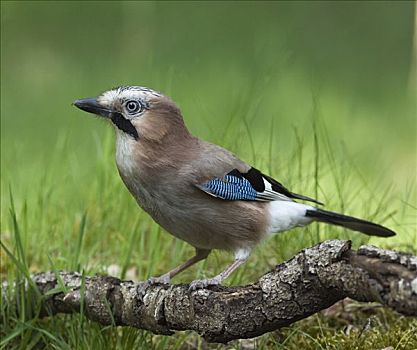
(133, 107)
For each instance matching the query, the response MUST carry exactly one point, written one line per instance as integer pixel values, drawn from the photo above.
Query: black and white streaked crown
(128, 92)
(121, 89)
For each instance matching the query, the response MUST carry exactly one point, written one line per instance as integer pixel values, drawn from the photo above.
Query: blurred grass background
(321, 95)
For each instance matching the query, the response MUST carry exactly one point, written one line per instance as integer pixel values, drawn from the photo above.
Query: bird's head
(136, 112)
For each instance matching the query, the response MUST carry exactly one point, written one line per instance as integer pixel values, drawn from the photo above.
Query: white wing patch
(270, 195)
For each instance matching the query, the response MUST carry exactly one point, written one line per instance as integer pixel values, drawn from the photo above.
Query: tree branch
(311, 281)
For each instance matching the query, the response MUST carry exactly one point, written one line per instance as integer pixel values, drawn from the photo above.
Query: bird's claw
(164, 279)
(200, 284)
(142, 287)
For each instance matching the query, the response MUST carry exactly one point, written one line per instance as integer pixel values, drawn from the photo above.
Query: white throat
(125, 146)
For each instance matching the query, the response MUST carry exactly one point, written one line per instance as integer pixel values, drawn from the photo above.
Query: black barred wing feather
(230, 187)
(250, 186)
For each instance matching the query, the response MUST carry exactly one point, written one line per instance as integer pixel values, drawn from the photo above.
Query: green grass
(327, 117)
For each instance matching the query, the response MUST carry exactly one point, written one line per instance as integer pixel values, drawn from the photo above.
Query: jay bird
(197, 191)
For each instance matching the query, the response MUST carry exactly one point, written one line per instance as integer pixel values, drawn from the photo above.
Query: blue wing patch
(250, 186)
(230, 187)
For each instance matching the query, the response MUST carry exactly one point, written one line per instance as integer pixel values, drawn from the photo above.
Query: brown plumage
(198, 191)
(170, 162)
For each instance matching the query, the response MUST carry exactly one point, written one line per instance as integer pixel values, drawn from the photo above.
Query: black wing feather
(256, 179)
(278, 187)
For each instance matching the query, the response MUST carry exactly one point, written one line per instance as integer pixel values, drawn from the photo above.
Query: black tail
(350, 222)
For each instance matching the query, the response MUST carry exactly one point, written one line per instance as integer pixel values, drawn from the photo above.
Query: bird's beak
(91, 105)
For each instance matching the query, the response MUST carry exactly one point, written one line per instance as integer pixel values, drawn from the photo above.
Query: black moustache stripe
(124, 124)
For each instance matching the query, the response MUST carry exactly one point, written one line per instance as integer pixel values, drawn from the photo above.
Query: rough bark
(312, 280)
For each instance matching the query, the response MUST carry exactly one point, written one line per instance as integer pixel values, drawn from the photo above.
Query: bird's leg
(200, 254)
(240, 257)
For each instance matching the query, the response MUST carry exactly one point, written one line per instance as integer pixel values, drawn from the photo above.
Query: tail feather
(350, 222)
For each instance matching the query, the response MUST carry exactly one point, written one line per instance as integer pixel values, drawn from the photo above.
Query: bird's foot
(142, 287)
(200, 284)
(164, 279)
